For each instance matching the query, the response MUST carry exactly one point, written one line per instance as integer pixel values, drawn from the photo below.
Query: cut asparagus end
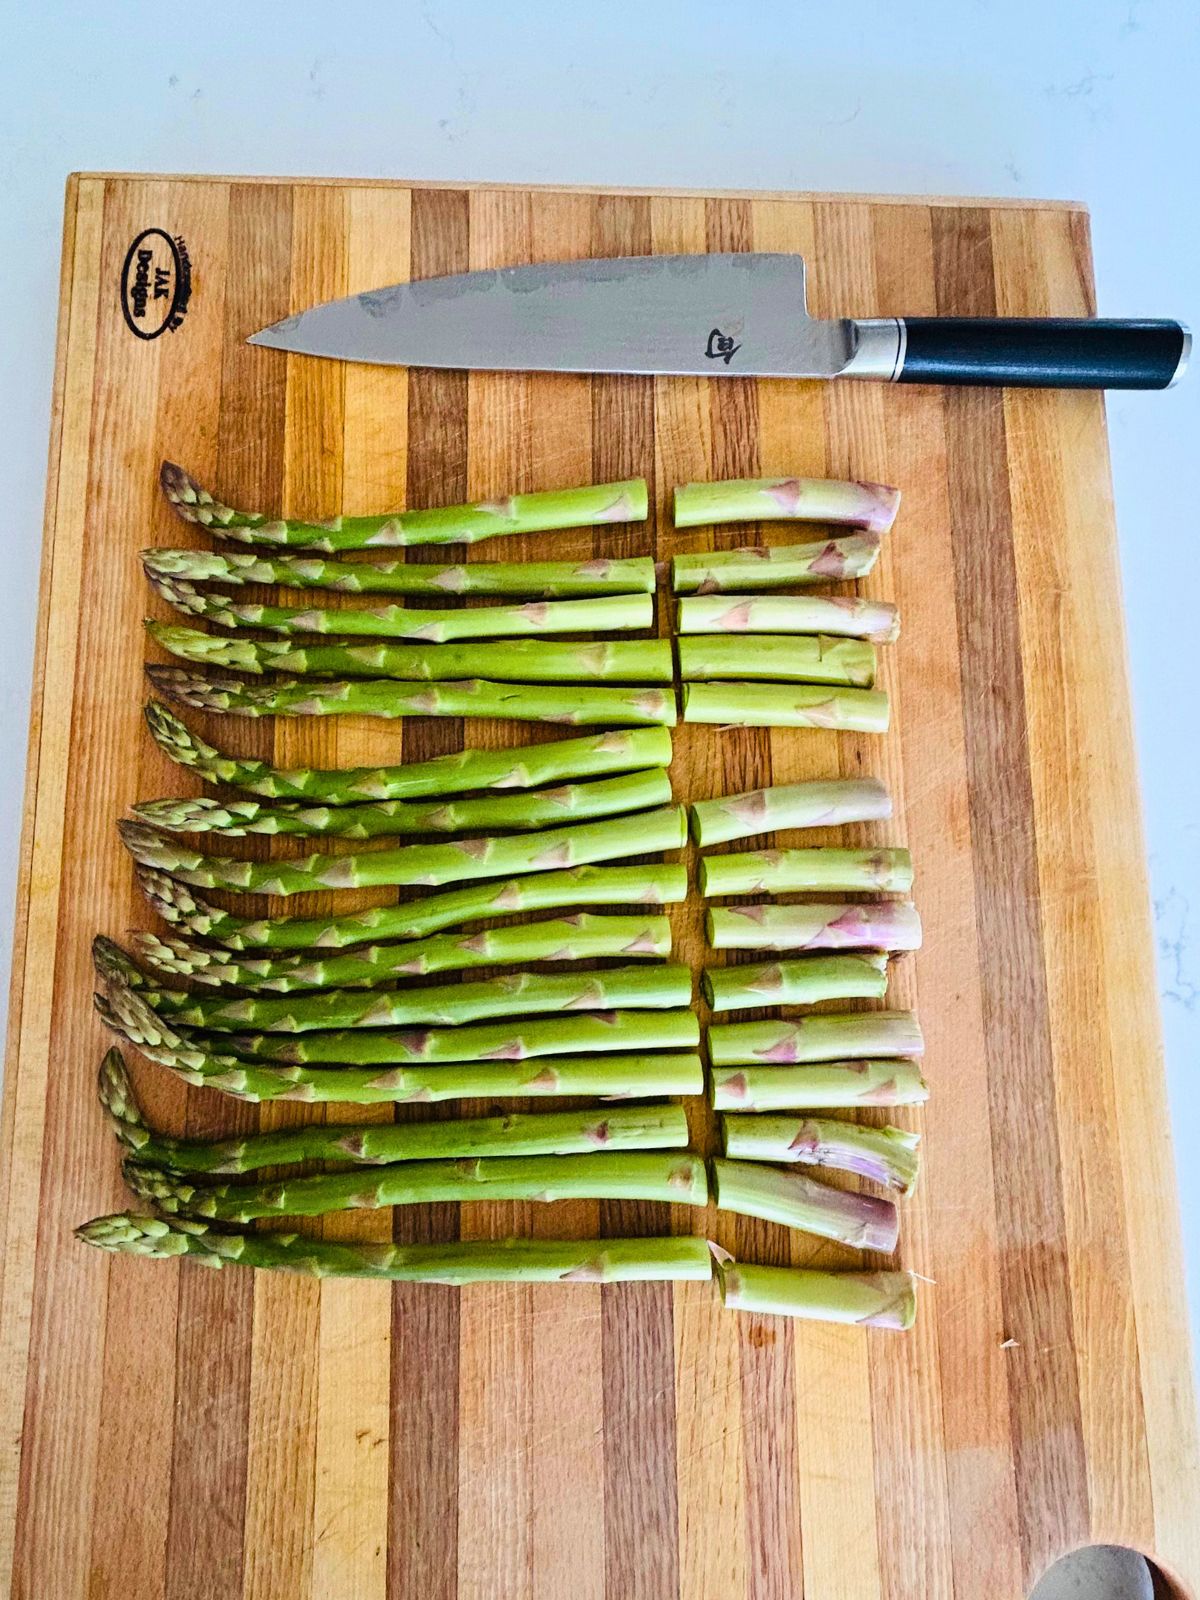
(821, 1037)
(883, 1155)
(757, 567)
(826, 804)
(826, 1086)
(788, 1197)
(785, 705)
(868, 1299)
(851, 504)
(891, 925)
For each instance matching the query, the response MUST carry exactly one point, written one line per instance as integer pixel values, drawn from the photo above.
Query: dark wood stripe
(423, 1464)
(216, 1310)
(1035, 1284)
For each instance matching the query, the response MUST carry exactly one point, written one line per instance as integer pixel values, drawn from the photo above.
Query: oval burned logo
(156, 283)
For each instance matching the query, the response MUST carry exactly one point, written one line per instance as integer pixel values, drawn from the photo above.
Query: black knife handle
(1043, 352)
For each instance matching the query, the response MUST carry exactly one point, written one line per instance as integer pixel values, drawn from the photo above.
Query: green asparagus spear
(826, 1086)
(884, 1155)
(656, 885)
(543, 579)
(816, 925)
(605, 614)
(861, 976)
(472, 1261)
(780, 1194)
(571, 938)
(852, 618)
(814, 871)
(449, 862)
(384, 697)
(554, 661)
(654, 1127)
(521, 513)
(864, 1299)
(823, 1037)
(858, 505)
(676, 1177)
(592, 756)
(785, 705)
(826, 804)
(758, 567)
(776, 656)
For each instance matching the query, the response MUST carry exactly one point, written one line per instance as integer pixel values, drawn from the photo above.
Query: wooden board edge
(656, 191)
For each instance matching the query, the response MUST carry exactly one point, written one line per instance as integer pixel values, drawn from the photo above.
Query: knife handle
(1042, 352)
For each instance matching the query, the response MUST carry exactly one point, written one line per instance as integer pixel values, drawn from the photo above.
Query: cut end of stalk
(861, 1299)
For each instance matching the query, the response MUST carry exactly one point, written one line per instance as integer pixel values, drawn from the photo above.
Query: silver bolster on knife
(879, 350)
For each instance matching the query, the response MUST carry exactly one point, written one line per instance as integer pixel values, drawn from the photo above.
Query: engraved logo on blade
(155, 283)
(721, 346)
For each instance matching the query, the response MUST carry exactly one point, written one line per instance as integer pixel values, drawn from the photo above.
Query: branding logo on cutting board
(155, 284)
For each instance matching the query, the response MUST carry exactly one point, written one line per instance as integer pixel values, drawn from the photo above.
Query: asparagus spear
(859, 505)
(545, 579)
(571, 938)
(220, 1058)
(521, 513)
(594, 755)
(816, 925)
(780, 657)
(824, 1037)
(449, 862)
(867, 1299)
(540, 891)
(520, 660)
(473, 1261)
(785, 705)
(758, 567)
(675, 1177)
(829, 1085)
(384, 697)
(603, 797)
(605, 614)
(826, 804)
(853, 618)
(780, 871)
(884, 1155)
(373, 1143)
(780, 1194)
(796, 983)
(659, 988)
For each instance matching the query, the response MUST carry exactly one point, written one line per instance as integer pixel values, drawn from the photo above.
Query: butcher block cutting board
(176, 1433)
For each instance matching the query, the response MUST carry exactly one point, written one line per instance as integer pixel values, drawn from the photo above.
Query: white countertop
(1052, 99)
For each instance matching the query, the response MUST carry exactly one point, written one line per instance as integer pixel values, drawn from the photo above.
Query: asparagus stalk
(884, 1155)
(816, 925)
(468, 524)
(779, 1194)
(520, 660)
(825, 1037)
(571, 938)
(593, 756)
(473, 1261)
(374, 1143)
(605, 614)
(828, 1086)
(827, 804)
(758, 567)
(812, 871)
(785, 705)
(856, 504)
(675, 1177)
(598, 1033)
(780, 657)
(544, 579)
(442, 863)
(796, 983)
(659, 988)
(542, 891)
(234, 819)
(384, 697)
(852, 618)
(867, 1299)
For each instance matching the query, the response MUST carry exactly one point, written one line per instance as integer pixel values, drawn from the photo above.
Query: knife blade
(742, 315)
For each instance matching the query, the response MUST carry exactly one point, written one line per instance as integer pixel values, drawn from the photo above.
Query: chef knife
(713, 316)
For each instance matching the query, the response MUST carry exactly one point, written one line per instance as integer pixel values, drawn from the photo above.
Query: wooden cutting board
(170, 1432)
